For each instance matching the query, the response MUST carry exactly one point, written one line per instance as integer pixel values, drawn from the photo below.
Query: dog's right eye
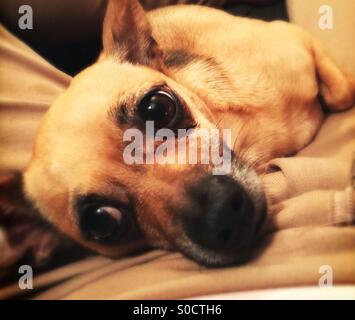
(159, 106)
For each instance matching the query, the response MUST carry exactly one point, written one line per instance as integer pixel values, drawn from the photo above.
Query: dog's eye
(101, 223)
(160, 107)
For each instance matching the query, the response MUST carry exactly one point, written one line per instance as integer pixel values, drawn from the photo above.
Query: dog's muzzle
(223, 219)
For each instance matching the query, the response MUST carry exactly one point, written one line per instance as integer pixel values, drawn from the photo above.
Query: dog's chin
(223, 258)
(212, 258)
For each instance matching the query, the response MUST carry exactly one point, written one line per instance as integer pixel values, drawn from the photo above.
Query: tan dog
(181, 67)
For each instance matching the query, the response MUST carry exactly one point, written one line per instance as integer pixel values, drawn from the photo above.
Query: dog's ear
(127, 34)
(24, 236)
(336, 88)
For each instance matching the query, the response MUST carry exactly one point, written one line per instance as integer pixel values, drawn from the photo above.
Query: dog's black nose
(221, 216)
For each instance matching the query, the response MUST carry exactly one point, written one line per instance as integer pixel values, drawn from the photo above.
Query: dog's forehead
(107, 80)
(86, 104)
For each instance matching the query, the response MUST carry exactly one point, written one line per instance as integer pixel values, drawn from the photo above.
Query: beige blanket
(310, 197)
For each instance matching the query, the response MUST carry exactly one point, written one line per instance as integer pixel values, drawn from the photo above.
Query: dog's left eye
(100, 223)
(158, 106)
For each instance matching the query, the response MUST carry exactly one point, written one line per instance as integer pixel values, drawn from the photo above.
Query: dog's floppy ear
(127, 34)
(336, 88)
(24, 236)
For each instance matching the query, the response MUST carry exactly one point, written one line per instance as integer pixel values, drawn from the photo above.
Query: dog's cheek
(153, 224)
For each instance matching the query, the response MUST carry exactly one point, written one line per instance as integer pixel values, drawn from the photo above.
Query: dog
(181, 67)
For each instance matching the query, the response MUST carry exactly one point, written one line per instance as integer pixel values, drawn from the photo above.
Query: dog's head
(81, 182)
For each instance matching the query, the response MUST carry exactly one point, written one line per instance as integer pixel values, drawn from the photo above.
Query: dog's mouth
(225, 221)
(213, 258)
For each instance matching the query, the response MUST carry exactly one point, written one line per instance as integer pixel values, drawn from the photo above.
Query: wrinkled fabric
(28, 85)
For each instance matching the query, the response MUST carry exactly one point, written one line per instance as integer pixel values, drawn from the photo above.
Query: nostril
(225, 235)
(237, 203)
